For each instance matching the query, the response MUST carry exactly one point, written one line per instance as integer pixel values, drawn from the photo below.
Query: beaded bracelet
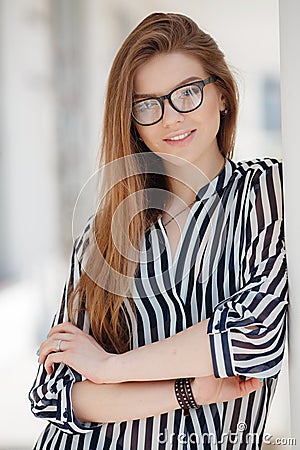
(184, 395)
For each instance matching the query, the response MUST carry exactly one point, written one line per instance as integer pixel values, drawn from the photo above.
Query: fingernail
(39, 359)
(261, 380)
(38, 351)
(47, 336)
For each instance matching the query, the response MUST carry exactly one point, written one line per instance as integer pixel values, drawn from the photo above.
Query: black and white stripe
(230, 267)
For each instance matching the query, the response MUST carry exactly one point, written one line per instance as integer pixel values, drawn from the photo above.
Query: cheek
(142, 132)
(209, 114)
(208, 119)
(149, 136)
(213, 106)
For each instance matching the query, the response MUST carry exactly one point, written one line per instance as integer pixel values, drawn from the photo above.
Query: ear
(222, 103)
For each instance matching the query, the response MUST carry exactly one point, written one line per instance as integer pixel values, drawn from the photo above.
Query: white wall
(290, 69)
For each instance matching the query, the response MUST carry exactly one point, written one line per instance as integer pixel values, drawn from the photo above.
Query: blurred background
(55, 56)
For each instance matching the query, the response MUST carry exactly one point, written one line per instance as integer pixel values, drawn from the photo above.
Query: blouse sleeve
(261, 302)
(50, 395)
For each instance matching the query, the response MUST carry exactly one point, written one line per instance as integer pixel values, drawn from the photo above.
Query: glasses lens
(147, 111)
(187, 98)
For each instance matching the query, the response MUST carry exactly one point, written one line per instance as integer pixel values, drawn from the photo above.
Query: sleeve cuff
(65, 414)
(221, 351)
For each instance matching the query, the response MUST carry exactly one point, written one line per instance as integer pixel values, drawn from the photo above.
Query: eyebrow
(186, 80)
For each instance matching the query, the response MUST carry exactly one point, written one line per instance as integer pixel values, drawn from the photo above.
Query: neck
(186, 180)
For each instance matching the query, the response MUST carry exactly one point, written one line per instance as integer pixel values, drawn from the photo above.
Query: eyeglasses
(183, 99)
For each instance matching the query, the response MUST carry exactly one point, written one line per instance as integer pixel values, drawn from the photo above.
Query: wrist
(107, 370)
(113, 369)
(196, 390)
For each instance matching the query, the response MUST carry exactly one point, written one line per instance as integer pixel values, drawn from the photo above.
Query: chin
(178, 158)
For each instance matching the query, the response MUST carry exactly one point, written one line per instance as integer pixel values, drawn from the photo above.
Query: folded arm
(244, 336)
(137, 400)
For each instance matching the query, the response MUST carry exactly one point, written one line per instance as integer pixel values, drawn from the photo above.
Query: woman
(171, 329)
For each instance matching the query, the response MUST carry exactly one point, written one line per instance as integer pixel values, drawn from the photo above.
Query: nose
(171, 116)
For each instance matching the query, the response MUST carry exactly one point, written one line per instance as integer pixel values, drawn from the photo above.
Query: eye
(145, 105)
(189, 91)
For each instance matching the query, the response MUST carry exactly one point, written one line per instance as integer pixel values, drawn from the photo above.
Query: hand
(209, 389)
(68, 344)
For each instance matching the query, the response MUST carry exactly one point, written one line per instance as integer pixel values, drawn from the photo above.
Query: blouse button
(66, 414)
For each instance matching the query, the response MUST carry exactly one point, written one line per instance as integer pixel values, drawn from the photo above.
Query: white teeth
(178, 138)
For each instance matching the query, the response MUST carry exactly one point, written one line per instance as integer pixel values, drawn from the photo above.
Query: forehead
(163, 72)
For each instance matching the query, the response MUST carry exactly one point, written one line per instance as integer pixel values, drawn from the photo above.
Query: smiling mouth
(180, 137)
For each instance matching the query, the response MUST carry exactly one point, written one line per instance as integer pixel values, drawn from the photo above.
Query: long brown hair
(101, 284)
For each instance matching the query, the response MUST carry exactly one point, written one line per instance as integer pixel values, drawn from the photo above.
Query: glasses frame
(200, 84)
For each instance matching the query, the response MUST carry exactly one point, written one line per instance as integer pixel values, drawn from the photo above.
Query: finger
(250, 385)
(57, 343)
(254, 383)
(51, 341)
(59, 357)
(56, 336)
(65, 327)
(257, 382)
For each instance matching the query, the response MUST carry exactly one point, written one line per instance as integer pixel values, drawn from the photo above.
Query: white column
(28, 139)
(29, 206)
(289, 11)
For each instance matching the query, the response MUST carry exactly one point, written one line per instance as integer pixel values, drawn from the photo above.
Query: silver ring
(58, 345)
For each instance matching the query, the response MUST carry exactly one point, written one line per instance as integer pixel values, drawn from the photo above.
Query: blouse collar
(218, 183)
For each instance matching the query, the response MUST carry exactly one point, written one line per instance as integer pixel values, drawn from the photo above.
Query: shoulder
(263, 184)
(259, 171)
(258, 166)
(84, 239)
(258, 183)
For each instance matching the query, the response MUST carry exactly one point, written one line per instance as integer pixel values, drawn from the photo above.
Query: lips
(179, 137)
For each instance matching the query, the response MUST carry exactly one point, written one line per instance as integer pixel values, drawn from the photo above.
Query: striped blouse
(229, 266)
